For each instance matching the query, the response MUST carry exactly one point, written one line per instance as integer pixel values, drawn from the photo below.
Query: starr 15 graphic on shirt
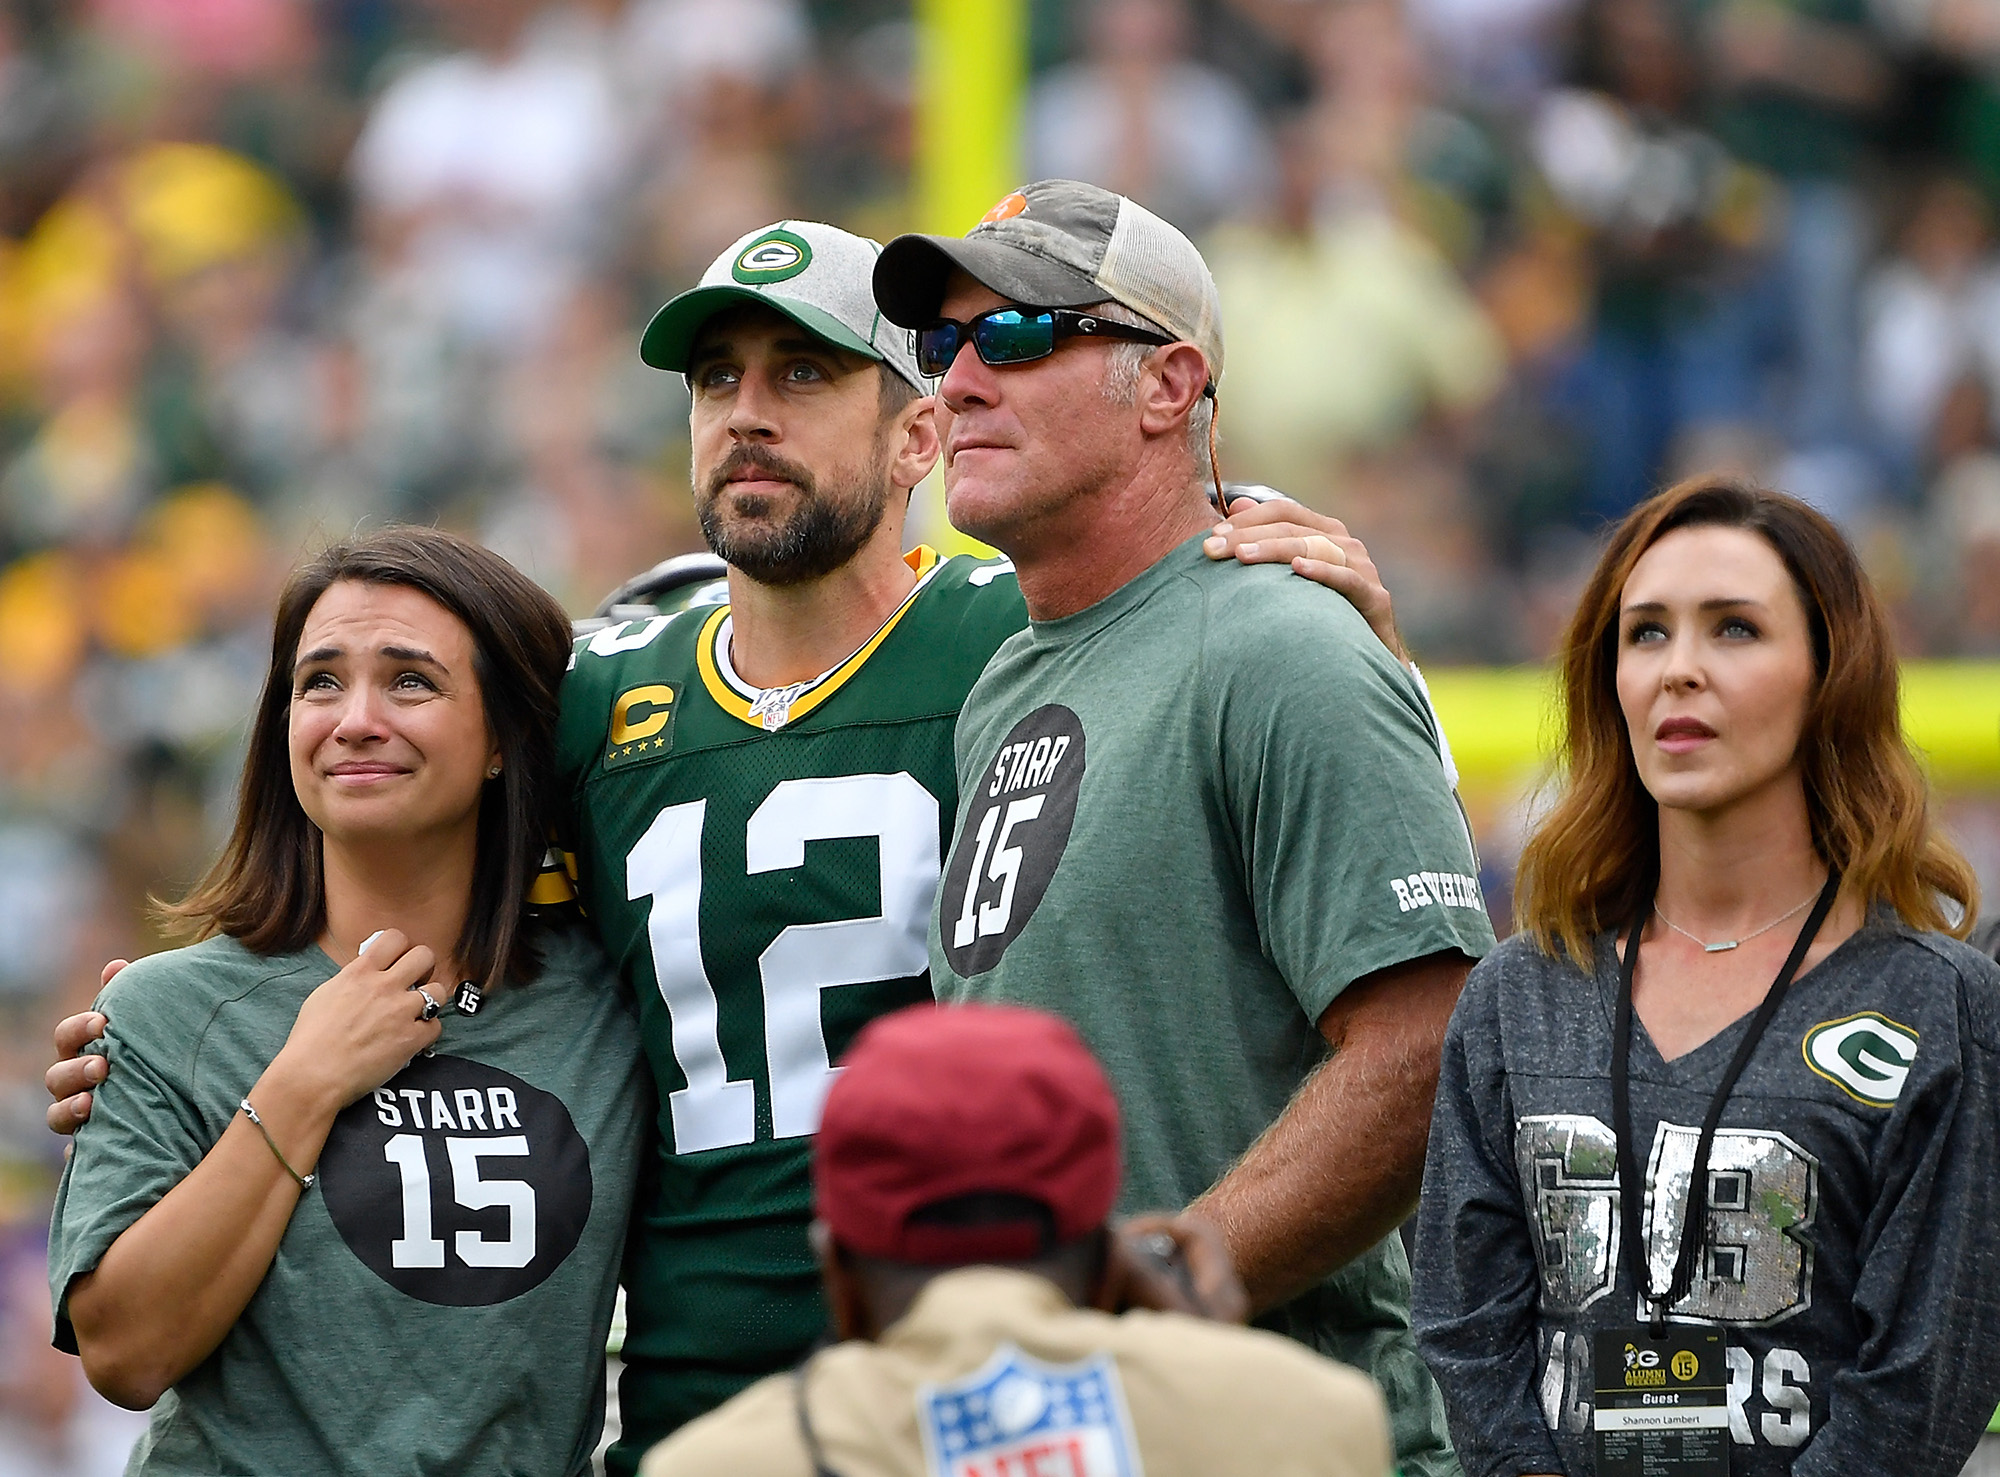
(457, 1183)
(1016, 1415)
(1014, 836)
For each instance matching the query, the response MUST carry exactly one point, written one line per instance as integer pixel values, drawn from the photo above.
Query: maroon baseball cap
(940, 1102)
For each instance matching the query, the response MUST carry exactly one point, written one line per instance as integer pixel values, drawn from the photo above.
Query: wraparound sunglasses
(1016, 336)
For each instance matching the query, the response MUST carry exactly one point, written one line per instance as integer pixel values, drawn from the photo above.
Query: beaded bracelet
(305, 1180)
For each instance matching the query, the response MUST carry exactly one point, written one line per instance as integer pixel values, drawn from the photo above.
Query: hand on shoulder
(1318, 547)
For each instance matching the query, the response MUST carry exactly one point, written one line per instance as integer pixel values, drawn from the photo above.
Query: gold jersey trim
(744, 702)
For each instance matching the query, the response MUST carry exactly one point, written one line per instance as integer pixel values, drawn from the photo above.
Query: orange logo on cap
(1006, 210)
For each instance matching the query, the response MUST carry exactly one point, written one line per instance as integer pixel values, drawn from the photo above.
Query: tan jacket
(993, 1373)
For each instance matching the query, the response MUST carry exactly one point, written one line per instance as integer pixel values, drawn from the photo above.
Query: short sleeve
(580, 722)
(1356, 853)
(144, 1136)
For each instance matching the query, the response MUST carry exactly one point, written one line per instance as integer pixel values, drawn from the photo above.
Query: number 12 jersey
(761, 866)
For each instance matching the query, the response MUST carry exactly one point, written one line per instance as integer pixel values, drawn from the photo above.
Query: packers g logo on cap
(772, 257)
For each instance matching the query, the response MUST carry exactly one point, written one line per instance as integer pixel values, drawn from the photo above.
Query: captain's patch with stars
(642, 724)
(457, 1183)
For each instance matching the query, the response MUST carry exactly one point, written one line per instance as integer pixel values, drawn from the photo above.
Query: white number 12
(714, 1110)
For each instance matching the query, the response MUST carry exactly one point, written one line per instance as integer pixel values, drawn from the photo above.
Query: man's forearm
(1337, 1172)
(1341, 1166)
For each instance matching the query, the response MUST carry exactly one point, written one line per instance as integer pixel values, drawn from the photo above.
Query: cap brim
(669, 338)
(911, 273)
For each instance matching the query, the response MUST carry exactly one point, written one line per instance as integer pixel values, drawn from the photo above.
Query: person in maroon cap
(964, 1174)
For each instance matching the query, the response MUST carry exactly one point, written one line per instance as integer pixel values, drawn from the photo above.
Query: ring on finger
(433, 1008)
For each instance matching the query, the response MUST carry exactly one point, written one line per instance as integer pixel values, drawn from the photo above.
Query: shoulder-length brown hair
(268, 888)
(1591, 862)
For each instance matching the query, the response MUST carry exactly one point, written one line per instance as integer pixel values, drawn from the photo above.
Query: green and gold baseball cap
(817, 275)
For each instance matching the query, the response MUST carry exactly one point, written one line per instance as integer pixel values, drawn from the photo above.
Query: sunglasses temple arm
(1215, 461)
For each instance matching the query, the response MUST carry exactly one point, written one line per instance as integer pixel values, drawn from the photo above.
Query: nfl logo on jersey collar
(773, 707)
(1016, 1414)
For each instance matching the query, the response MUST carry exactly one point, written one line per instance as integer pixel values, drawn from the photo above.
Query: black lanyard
(1694, 1225)
(806, 1433)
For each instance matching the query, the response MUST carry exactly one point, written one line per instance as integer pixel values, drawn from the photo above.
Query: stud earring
(493, 773)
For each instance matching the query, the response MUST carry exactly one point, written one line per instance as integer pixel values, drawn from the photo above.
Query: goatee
(823, 530)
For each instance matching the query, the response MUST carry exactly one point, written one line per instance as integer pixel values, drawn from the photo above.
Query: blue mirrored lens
(1014, 335)
(1003, 336)
(937, 345)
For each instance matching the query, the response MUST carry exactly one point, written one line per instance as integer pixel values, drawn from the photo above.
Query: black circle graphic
(1016, 830)
(457, 1183)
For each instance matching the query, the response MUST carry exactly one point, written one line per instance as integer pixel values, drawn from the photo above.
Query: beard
(825, 528)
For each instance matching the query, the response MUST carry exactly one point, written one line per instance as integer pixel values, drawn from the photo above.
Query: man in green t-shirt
(1206, 820)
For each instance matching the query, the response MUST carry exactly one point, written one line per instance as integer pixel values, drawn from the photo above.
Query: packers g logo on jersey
(1868, 1056)
(772, 257)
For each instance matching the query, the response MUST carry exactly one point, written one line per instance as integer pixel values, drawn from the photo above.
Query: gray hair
(1121, 381)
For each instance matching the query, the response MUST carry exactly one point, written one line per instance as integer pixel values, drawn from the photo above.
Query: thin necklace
(1725, 945)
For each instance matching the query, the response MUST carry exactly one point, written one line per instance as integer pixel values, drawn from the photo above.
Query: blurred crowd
(271, 270)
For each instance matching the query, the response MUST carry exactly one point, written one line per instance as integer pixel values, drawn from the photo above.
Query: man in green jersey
(761, 790)
(1207, 822)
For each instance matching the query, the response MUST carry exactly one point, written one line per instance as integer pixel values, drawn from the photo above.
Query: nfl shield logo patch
(1015, 1416)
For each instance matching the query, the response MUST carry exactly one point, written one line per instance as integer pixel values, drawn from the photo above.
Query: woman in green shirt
(352, 1195)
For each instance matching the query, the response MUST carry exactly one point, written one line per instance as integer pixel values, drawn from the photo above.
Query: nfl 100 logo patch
(1015, 1416)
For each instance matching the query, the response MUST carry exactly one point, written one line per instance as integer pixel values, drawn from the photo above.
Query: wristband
(305, 1181)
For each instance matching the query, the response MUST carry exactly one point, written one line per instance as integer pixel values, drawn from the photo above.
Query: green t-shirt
(761, 870)
(440, 1300)
(1189, 817)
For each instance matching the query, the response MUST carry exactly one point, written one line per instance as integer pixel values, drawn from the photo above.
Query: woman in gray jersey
(1711, 1177)
(352, 1194)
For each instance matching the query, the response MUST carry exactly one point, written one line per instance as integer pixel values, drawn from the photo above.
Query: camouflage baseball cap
(816, 275)
(1060, 243)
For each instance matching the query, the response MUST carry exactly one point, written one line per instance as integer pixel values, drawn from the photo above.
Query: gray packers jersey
(1849, 1251)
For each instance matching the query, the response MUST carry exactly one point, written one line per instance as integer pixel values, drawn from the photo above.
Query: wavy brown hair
(268, 888)
(1593, 860)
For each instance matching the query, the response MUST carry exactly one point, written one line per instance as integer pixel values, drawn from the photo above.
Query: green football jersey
(761, 867)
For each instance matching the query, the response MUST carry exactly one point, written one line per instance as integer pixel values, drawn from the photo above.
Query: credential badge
(1017, 1414)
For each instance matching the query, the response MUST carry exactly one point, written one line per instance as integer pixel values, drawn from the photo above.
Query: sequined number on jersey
(716, 1110)
(1763, 1192)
